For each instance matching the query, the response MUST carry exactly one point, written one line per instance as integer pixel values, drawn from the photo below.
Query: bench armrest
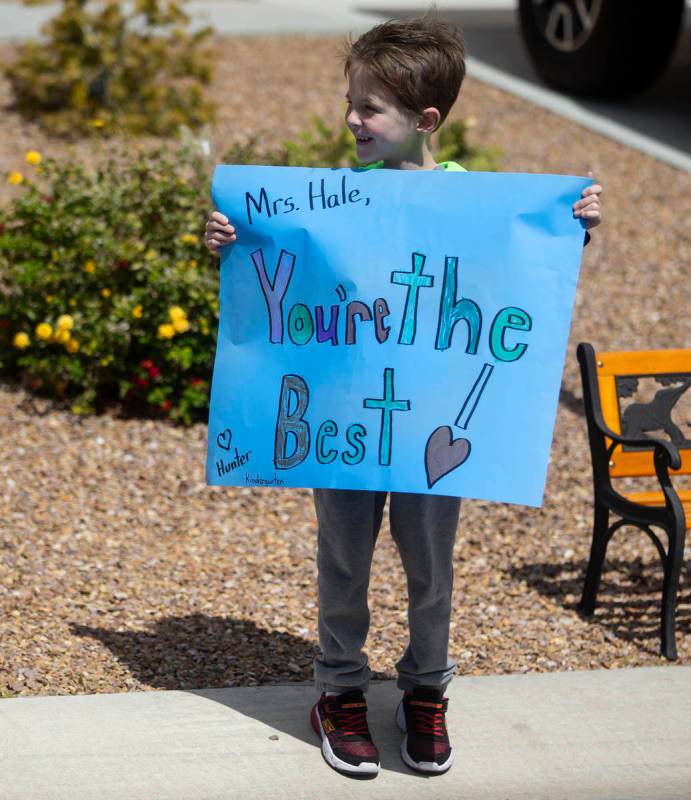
(664, 449)
(666, 452)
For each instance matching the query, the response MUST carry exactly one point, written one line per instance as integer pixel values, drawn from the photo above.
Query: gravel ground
(121, 570)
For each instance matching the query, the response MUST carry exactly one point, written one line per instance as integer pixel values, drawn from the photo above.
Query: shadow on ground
(198, 650)
(206, 655)
(628, 600)
(291, 717)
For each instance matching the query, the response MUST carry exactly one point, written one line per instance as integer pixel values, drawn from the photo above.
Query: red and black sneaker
(340, 721)
(421, 715)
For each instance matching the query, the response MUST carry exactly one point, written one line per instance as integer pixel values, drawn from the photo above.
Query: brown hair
(421, 61)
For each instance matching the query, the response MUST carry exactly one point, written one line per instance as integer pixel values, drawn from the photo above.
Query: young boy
(403, 78)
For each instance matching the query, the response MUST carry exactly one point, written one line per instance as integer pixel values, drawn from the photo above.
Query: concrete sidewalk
(601, 735)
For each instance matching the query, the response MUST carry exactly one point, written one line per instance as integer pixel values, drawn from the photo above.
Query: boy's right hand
(219, 232)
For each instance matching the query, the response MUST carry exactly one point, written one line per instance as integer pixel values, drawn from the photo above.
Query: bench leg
(672, 567)
(598, 548)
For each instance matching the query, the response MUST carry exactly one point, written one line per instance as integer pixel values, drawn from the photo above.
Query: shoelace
(352, 722)
(429, 721)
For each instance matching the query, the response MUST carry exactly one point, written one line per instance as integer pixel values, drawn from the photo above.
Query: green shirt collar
(450, 166)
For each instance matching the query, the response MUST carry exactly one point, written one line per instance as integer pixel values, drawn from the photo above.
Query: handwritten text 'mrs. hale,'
(318, 197)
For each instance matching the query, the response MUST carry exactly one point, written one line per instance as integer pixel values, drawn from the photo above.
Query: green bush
(107, 293)
(108, 65)
(451, 145)
(106, 289)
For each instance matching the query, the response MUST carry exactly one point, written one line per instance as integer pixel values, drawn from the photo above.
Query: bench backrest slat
(641, 364)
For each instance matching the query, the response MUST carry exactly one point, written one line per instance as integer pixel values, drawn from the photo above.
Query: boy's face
(384, 130)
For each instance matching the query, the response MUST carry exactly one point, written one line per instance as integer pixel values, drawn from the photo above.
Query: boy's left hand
(588, 207)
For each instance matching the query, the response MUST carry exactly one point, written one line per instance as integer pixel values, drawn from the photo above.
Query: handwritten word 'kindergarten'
(303, 326)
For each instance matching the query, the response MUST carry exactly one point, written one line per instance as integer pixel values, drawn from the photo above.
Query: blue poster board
(392, 330)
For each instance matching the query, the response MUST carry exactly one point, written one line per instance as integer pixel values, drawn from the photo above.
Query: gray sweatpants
(424, 529)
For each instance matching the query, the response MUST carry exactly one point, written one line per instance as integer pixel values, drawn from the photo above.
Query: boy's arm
(219, 232)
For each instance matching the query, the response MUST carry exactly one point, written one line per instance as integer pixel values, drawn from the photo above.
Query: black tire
(622, 48)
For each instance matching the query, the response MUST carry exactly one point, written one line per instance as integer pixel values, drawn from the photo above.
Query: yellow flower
(166, 331)
(33, 157)
(65, 322)
(181, 324)
(193, 263)
(61, 336)
(15, 178)
(44, 331)
(90, 266)
(106, 360)
(21, 340)
(49, 298)
(72, 302)
(189, 238)
(175, 312)
(137, 312)
(106, 293)
(97, 122)
(151, 254)
(71, 345)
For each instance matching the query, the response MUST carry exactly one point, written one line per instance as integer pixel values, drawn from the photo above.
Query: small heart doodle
(223, 439)
(443, 454)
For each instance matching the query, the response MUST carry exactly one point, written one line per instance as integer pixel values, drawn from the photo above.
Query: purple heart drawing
(223, 439)
(443, 454)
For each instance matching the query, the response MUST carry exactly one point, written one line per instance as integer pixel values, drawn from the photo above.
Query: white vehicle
(600, 48)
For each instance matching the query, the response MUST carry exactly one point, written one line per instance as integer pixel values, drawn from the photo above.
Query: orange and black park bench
(637, 426)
